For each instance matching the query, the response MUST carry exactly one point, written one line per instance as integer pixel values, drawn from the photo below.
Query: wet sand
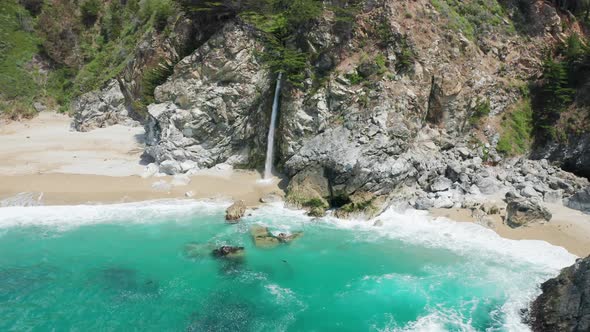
(568, 228)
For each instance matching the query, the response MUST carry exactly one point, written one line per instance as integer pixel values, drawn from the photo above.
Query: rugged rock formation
(565, 302)
(99, 109)
(395, 112)
(580, 200)
(235, 211)
(521, 212)
(211, 110)
(572, 155)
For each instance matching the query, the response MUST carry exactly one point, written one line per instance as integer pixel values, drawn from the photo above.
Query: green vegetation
(86, 42)
(565, 76)
(474, 17)
(315, 203)
(90, 10)
(354, 77)
(405, 57)
(153, 78)
(517, 130)
(481, 110)
(17, 46)
(281, 25)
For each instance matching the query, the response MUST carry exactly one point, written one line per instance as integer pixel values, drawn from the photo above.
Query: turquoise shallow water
(125, 268)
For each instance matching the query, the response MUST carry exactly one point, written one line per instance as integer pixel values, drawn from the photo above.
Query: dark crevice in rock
(434, 113)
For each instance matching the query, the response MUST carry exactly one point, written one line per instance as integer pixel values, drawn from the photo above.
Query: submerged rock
(521, 212)
(262, 237)
(265, 239)
(195, 250)
(287, 238)
(564, 304)
(228, 252)
(235, 211)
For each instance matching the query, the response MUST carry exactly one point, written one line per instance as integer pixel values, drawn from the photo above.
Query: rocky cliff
(425, 102)
(405, 101)
(564, 304)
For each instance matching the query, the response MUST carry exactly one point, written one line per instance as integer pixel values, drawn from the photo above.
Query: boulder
(521, 212)
(529, 191)
(487, 185)
(235, 211)
(228, 252)
(580, 200)
(564, 304)
(308, 189)
(262, 237)
(265, 239)
(288, 238)
(441, 184)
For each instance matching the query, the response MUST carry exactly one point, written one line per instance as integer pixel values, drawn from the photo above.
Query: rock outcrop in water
(235, 211)
(263, 238)
(228, 252)
(564, 304)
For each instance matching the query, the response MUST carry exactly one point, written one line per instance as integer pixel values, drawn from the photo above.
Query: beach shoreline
(42, 158)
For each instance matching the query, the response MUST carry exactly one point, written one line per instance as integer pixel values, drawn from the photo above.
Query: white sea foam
(78, 215)
(466, 239)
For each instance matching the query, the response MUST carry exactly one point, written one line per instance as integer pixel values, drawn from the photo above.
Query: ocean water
(126, 267)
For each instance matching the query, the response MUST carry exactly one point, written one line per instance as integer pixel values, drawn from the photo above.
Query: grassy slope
(18, 44)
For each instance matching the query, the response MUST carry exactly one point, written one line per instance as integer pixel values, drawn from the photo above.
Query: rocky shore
(565, 302)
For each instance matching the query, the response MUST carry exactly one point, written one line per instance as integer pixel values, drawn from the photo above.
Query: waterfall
(271, 130)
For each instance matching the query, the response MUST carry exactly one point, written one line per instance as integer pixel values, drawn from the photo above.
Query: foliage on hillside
(564, 88)
(474, 18)
(84, 44)
(18, 44)
(517, 129)
(282, 25)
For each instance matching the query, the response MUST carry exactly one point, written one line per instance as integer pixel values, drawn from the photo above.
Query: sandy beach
(568, 228)
(104, 165)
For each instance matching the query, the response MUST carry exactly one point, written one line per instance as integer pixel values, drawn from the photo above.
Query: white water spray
(271, 131)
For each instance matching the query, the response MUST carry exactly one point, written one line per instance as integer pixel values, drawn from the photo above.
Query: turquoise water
(125, 268)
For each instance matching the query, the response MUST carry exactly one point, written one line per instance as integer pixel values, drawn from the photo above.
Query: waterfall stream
(271, 131)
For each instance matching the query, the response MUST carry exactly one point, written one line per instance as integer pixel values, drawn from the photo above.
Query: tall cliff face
(388, 98)
(213, 108)
(365, 99)
(564, 304)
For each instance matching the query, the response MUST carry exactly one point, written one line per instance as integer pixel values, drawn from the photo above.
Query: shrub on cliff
(90, 10)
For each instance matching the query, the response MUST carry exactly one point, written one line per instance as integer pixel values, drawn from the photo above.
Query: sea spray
(271, 130)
